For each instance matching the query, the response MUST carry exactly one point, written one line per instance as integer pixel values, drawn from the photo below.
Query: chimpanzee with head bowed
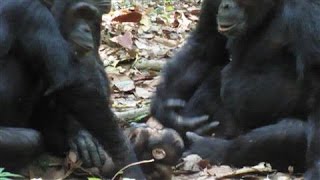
(71, 114)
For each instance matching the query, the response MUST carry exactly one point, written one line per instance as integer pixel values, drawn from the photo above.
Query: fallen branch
(155, 65)
(133, 114)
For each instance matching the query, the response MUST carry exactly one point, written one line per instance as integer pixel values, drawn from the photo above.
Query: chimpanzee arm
(282, 144)
(206, 100)
(40, 38)
(303, 24)
(88, 103)
(204, 50)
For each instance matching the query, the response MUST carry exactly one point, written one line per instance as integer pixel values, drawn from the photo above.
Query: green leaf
(4, 178)
(8, 174)
(139, 118)
(169, 8)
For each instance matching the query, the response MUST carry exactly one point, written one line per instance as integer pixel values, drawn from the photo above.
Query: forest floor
(137, 40)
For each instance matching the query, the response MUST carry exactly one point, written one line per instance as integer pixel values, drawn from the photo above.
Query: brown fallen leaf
(130, 16)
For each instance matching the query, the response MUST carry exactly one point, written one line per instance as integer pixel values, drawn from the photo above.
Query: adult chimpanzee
(82, 101)
(272, 78)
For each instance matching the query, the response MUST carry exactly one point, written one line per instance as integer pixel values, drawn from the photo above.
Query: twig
(260, 168)
(130, 165)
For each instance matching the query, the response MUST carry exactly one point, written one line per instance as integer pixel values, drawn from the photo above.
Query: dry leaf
(143, 93)
(125, 86)
(130, 16)
(124, 40)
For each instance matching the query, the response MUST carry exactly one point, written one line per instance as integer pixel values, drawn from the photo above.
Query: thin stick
(130, 165)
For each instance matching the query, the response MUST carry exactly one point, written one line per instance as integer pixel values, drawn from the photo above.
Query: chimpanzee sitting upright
(84, 98)
(272, 78)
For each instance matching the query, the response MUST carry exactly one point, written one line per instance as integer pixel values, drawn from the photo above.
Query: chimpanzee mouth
(226, 27)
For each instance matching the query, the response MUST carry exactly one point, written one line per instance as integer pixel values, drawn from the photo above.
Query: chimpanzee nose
(226, 6)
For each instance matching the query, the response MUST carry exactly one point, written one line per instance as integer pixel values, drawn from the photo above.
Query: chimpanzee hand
(172, 107)
(198, 124)
(209, 148)
(87, 149)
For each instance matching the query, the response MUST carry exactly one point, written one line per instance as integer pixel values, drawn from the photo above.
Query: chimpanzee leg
(18, 146)
(283, 144)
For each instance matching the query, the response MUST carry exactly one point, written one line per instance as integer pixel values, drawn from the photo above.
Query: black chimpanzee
(81, 102)
(263, 97)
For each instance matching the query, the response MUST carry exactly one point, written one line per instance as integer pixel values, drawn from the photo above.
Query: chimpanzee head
(79, 22)
(162, 144)
(236, 17)
(103, 5)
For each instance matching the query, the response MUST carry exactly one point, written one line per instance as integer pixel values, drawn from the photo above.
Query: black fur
(273, 76)
(76, 101)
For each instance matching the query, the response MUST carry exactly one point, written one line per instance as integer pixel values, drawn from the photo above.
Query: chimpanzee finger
(83, 151)
(175, 103)
(102, 154)
(193, 137)
(204, 130)
(101, 151)
(189, 122)
(74, 148)
(195, 121)
(93, 152)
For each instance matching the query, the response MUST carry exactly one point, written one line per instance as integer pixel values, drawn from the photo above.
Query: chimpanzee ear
(85, 11)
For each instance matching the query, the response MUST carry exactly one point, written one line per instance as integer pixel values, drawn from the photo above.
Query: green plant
(7, 175)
